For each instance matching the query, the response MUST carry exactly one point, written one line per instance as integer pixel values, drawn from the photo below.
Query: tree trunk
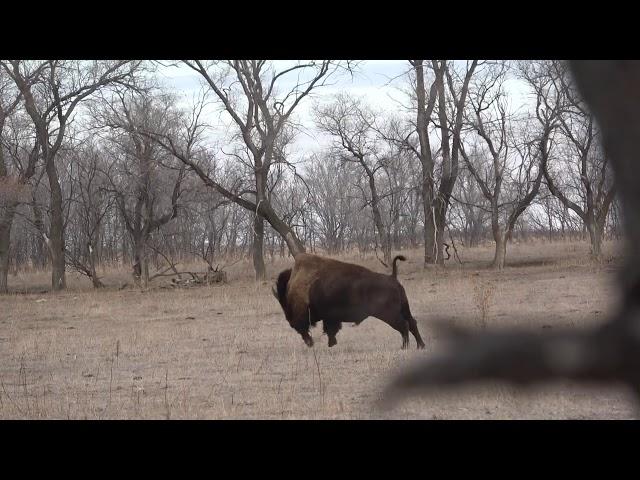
(56, 251)
(39, 253)
(56, 237)
(595, 235)
(430, 250)
(285, 231)
(440, 244)
(140, 263)
(258, 245)
(382, 238)
(386, 249)
(425, 108)
(476, 231)
(501, 250)
(4, 261)
(93, 254)
(5, 237)
(450, 154)
(230, 244)
(449, 166)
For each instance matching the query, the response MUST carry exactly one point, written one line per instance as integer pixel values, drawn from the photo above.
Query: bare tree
(396, 185)
(582, 178)
(248, 92)
(10, 185)
(350, 123)
(425, 106)
(139, 180)
(471, 210)
(413, 213)
(607, 353)
(450, 125)
(436, 198)
(92, 202)
(51, 91)
(331, 193)
(520, 177)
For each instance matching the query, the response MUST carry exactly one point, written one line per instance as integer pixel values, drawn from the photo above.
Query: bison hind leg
(331, 328)
(413, 327)
(401, 325)
(405, 337)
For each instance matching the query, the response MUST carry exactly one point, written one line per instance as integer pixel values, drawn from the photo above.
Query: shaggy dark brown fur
(320, 288)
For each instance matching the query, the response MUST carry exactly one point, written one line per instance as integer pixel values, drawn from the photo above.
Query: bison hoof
(332, 342)
(308, 341)
(421, 346)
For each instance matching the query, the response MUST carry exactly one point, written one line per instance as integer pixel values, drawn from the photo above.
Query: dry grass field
(226, 351)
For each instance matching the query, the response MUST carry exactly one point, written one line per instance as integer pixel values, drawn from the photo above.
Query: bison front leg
(306, 336)
(304, 333)
(301, 319)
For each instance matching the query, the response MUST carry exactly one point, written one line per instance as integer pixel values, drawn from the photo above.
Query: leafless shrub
(483, 299)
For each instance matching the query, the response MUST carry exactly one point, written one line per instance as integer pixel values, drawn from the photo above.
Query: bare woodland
(603, 354)
(100, 165)
(506, 211)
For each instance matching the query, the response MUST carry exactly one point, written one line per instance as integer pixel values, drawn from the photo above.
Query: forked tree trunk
(450, 153)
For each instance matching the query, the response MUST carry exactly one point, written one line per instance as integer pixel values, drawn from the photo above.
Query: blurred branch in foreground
(607, 354)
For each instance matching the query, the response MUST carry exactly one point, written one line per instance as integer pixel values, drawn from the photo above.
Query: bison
(318, 288)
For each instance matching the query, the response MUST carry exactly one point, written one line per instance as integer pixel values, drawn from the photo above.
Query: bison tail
(280, 291)
(395, 268)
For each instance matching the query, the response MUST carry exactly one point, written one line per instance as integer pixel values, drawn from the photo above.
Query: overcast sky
(378, 81)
